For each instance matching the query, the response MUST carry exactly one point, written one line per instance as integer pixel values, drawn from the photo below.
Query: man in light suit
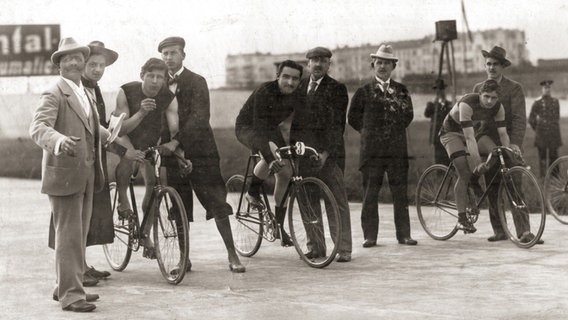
(66, 126)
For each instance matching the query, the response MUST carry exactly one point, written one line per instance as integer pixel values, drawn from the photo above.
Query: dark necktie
(100, 103)
(173, 80)
(312, 87)
(385, 87)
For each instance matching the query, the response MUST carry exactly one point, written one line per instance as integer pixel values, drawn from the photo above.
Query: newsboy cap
(546, 83)
(171, 41)
(318, 52)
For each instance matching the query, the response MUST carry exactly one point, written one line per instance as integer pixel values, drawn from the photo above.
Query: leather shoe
(527, 237)
(408, 241)
(344, 257)
(89, 281)
(313, 255)
(90, 297)
(99, 275)
(497, 237)
(80, 306)
(369, 243)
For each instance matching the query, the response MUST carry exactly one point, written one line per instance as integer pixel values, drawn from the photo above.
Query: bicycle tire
(171, 236)
(437, 217)
(118, 252)
(555, 189)
(311, 229)
(520, 200)
(246, 224)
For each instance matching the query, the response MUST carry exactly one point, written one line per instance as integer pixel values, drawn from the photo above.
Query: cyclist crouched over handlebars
(145, 104)
(458, 136)
(263, 125)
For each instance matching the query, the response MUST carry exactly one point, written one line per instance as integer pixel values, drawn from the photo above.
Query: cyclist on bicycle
(145, 103)
(458, 136)
(263, 125)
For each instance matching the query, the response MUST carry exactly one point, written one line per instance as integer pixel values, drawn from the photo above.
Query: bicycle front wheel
(118, 252)
(436, 202)
(556, 189)
(521, 207)
(171, 236)
(246, 223)
(315, 225)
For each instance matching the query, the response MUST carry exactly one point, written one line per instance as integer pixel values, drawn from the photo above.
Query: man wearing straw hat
(66, 126)
(381, 111)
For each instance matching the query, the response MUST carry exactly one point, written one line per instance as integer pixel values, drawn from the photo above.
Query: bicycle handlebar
(298, 149)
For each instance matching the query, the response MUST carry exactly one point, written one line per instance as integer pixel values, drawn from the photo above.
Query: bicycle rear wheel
(246, 223)
(171, 236)
(315, 226)
(556, 189)
(521, 207)
(436, 202)
(118, 252)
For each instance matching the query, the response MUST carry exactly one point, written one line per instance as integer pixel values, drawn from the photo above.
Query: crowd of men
(170, 108)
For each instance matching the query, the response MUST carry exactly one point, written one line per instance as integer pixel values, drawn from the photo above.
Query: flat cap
(171, 41)
(546, 83)
(318, 52)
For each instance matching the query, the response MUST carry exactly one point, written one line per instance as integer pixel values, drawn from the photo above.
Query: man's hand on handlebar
(276, 165)
(319, 160)
(168, 148)
(515, 149)
(134, 155)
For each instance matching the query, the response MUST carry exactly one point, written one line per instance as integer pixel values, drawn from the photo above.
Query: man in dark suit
(66, 126)
(512, 98)
(320, 123)
(198, 143)
(381, 111)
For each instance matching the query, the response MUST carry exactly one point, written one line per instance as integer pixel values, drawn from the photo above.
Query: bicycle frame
(502, 170)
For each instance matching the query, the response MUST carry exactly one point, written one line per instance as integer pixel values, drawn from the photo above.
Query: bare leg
(224, 227)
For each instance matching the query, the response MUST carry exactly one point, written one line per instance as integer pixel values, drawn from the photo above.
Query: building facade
(352, 64)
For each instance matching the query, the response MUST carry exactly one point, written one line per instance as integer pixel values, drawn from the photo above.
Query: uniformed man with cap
(320, 123)
(198, 143)
(544, 119)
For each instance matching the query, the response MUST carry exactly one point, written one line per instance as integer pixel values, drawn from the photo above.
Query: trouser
(545, 160)
(71, 218)
(440, 153)
(397, 173)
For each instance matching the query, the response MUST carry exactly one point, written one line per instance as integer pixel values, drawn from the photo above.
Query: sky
(215, 28)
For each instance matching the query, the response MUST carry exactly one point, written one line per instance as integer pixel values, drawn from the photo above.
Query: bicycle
(313, 214)
(519, 200)
(556, 189)
(167, 214)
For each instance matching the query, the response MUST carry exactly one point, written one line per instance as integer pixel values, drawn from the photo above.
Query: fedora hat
(439, 84)
(66, 46)
(98, 47)
(384, 52)
(497, 53)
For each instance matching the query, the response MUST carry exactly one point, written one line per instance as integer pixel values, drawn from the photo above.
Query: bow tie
(173, 80)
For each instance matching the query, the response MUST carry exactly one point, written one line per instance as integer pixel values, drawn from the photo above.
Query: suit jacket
(60, 114)
(382, 119)
(331, 98)
(195, 133)
(513, 99)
